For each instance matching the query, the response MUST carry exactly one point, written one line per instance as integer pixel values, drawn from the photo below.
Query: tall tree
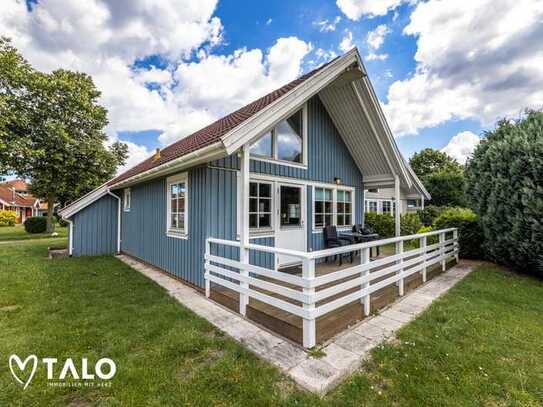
(430, 161)
(441, 175)
(53, 131)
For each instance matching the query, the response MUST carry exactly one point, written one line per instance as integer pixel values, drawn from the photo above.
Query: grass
(17, 232)
(481, 344)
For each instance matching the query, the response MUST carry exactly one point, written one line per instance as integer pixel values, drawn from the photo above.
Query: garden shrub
(36, 224)
(409, 223)
(505, 188)
(470, 235)
(380, 223)
(7, 218)
(430, 213)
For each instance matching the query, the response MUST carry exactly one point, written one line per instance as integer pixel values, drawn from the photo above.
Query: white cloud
(205, 94)
(269, 21)
(467, 69)
(354, 9)
(327, 26)
(376, 37)
(372, 56)
(461, 146)
(105, 38)
(346, 43)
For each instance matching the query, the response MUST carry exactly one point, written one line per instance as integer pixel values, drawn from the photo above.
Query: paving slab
(341, 356)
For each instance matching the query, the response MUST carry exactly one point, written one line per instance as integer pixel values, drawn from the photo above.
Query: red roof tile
(14, 199)
(212, 133)
(18, 184)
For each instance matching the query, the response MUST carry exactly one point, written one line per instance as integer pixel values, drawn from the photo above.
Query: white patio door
(290, 221)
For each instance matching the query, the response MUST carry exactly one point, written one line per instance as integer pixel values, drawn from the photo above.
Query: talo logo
(32, 360)
(104, 369)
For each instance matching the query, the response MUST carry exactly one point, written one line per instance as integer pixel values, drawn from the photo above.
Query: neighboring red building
(14, 196)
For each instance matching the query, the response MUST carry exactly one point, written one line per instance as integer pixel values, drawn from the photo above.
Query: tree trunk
(50, 210)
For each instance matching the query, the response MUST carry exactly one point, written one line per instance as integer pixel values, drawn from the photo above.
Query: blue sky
(168, 68)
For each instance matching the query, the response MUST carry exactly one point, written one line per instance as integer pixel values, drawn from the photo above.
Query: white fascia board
(201, 156)
(86, 200)
(288, 103)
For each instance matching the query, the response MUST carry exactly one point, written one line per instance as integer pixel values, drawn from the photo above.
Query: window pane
(174, 189)
(347, 196)
(328, 207)
(173, 220)
(340, 207)
(181, 205)
(253, 205)
(264, 220)
(328, 194)
(265, 190)
(319, 206)
(319, 194)
(348, 208)
(263, 146)
(174, 205)
(328, 219)
(253, 220)
(340, 220)
(289, 138)
(181, 222)
(253, 189)
(290, 206)
(182, 189)
(340, 196)
(348, 220)
(264, 205)
(318, 220)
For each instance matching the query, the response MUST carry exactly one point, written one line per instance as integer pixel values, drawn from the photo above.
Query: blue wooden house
(274, 172)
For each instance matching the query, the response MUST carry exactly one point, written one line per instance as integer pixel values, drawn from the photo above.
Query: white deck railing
(309, 296)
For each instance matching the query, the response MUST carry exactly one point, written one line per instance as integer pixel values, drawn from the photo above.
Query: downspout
(118, 220)
(71, 237)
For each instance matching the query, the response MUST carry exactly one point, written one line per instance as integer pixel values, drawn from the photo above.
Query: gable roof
(213, 132)
(18, 184)
(8, 196)
(341, 84)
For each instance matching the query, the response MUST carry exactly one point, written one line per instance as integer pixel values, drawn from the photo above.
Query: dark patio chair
(365, 230)
(331, 239)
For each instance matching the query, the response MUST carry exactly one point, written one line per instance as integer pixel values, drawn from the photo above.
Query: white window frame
(267, 229)
(334, 189)
(127, 199)
(175, 179)
(253, 232)
(273, 159)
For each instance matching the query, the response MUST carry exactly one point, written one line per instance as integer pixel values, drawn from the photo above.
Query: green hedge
(36, 224)
(505, 188)
(430, 213)
(380, 223)
(470, 235)
(7, 218)
(409, 223)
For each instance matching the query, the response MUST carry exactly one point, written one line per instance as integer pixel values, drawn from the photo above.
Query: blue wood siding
(144, 228)
(213, 204)
(95, 228)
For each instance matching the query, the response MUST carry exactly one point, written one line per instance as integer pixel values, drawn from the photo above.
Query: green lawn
(481, 344)
(9, 233)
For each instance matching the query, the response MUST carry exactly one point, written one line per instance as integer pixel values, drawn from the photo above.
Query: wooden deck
(290, 326)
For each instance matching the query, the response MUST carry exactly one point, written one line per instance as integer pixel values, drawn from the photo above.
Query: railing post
(207, 282)
(442, 250)
(455, 241)
(399, 249)
(423, 244)
(365, 259)
(243, 298)
(309, 324)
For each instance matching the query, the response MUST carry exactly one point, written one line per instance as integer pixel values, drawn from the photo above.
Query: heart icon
(22, 366)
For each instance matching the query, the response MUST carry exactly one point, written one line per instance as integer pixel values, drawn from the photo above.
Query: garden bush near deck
(481, 344)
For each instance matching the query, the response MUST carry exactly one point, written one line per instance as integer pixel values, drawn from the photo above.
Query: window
(387, 207)
(344, 208)
(285, 142)
(177, 194)
(370, 206)
(263, 147)
(127, 201)
(260, 205)
(412, 203)
(291, 206)
(373, 190)
(323, 207)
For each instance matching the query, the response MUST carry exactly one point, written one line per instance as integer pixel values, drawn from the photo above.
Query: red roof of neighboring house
(212, 133)
(12, 198)
(18, 184)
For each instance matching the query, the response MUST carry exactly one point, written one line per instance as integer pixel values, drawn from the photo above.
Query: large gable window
(286, 142)
(177, 201)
